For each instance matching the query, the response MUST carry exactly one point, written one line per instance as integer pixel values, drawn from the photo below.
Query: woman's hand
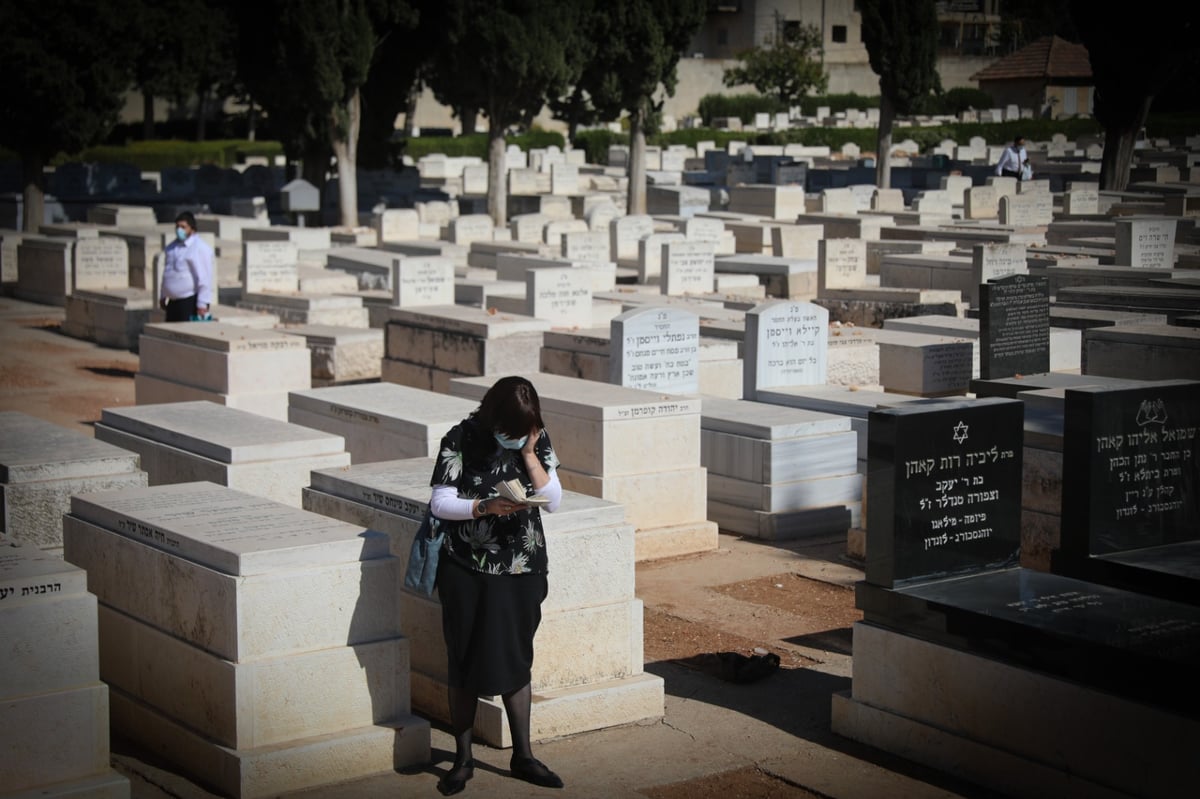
(499, 506)
(530, 447)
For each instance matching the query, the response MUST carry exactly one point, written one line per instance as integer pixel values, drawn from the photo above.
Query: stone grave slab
(1146, 242)
(1150, 352)
(380, 421)
(277, 599)
(1130, 477)
(786, 345)
(656, 349)
(56, 732)
(232, 365)
(688, 267)
(42, 464)
(341, 354)
(187, 441)
(110, 317)
(1014, 327)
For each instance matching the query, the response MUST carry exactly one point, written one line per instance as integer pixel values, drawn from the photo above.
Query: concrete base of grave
(651, 499)
(113, 318)
(54, 737)
(555, 713)
(403, 373)
(108, 785)
(279, 480)
(1035, 736)
(873, 312)
(672, 540)
(272, 770)
(150, 390)
(32, 512)
(349, 361)
(856, 542)
(785, 525)
(257, 703)
(366, 443)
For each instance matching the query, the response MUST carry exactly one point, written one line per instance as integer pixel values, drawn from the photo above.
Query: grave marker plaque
(1146, 243)
(1027, 210)
(786, 345)
(841, 263)
(561, 296)
(656, 349)
(422, 281)
(270, 266)
(687, 267)
(992, 261)
(1014, 327)
(945, 481)
(586, 245)
(1131, 466)
(101, 263)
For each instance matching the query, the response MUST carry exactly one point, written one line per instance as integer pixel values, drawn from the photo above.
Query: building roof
(1048, 58)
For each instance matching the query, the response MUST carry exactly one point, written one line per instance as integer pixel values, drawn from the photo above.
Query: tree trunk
(345, 149)
(314, 167)
(251, 120)
(469, 119)
(1118, 149)
(497, 177)
(410, 109)
(883, 155)
(636, 202)
(201, 112)
(147, 115)
(34, 198)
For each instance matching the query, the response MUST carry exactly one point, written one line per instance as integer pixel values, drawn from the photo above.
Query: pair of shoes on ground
(528, 769)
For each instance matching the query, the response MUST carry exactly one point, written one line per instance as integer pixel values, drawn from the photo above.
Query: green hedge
(156, 154)
(476, 144)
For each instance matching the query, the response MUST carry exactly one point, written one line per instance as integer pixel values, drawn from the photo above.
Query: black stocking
(517, 706)
(462, 718)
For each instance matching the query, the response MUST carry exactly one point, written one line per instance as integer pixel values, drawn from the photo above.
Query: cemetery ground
(768, 738)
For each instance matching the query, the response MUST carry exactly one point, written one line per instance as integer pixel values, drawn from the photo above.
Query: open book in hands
(513, 490)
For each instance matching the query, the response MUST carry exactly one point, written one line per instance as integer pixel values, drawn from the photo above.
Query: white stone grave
(232, 365)
(44, 269)
(1027, 210)
(397, 224)
(1146, 242)
(636, 448)
(649, 255)
(779, 473)
(464, 230)
(587, 672)
(786, 344)
(561, 296)
(656, 349)
(271, 266)
(221, 655)
(55, 735)
(688, 267)
(427, 347)
(341, 354)
(625, 232)
(380, 421)
(43, 464)
(419, 282)
(841, 264)
(111, 317)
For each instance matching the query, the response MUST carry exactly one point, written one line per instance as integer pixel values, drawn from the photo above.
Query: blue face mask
(509, 443)
(181, 234)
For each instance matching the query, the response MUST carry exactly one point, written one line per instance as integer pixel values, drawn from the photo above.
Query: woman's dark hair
(511, 406)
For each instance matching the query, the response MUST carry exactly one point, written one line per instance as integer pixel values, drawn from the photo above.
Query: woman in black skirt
(492, 571)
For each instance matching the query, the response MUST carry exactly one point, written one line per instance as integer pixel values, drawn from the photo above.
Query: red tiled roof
(1048, 57)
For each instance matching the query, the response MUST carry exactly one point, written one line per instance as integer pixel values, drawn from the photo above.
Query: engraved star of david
(960, 433)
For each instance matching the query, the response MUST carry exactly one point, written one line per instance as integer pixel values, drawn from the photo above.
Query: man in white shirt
(1012, 159)
(187, 281)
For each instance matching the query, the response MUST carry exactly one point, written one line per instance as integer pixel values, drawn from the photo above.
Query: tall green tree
(787, 67)
(641, 42)
(305, 62)
(64, 82)
(1132, 63)
(901, 38)
(504, 58)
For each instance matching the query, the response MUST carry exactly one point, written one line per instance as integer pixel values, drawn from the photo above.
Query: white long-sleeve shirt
(1011, 159)
(445, 503)
(188, 270)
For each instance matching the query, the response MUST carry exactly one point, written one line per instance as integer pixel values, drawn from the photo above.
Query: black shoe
(535, 771)
(456, 779)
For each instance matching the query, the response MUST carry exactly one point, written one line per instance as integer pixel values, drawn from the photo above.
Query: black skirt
(489, 621)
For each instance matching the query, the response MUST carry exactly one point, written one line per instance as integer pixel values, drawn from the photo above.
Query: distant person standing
(187, 280)
(1014, 161)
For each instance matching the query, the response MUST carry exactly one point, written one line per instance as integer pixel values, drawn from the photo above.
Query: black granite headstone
(1131, 468)
(945, 479)
(1014, 326)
